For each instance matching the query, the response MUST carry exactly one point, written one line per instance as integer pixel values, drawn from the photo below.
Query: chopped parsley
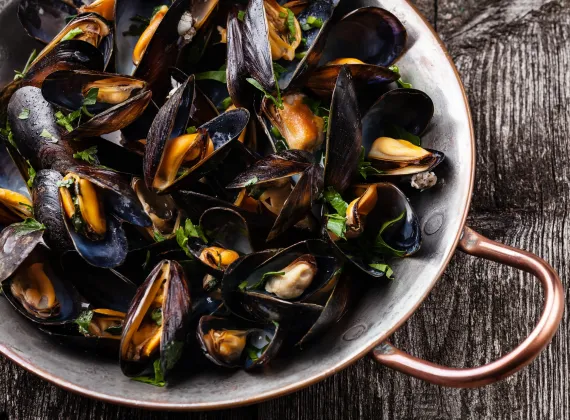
(217, 75)
(31, 174)
(83, 321)
(158, 237)
(380, 244)
(400, 82)
(191, 130)
(88, 155)
(25, 114)
(277, 101)
(189, 230)
(336, 223)
(241, 15)
(384, 268)
(365, 168)
(156, 316)
(225, 104)
(90, 99)
(312, 22)
(47, 135)
(397, 132)
(66, 121)
(65, 183)
(72, 34)
(157, 379)
(244, 285)
(21, 74)
(278, 69)
(291, 26)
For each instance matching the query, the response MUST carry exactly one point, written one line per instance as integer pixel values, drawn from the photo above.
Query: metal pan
(443, 211)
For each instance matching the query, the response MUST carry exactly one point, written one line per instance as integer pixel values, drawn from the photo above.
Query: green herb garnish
(90, 99)
(83, 321)
(399, 133)
(21, 74)
(385, 268)
(381, 246)
(72, 34)
(291, 26)
(65, 183)
(225, 104)
(244, 285)
(47, 135)
(25, 114)
(31, 174)
(217, 75)
(365, 168)
(241, 15)
(312, 22)
(191, 130)
(65, 121)
(277, 101)
(157, 380)
(400, 82)
(156, 316)
(88, 155)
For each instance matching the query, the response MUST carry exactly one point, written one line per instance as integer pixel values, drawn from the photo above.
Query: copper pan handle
(477, 245)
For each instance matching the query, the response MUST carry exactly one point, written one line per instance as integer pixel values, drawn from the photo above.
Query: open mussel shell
(252, 38)
(203, 110)
(234, 343)
(168, 47)
(14, 194)
(90, 28)
(120, 100)
(67, 55)
(369, 34)
(228, 238)
(39, 291)
(17, 242)
(161, 209)
(48, 211)
(44, 19)
(407, 109)
(344, 136)
(403, 237)
(165, 291)
(213, 140)
(297, 260)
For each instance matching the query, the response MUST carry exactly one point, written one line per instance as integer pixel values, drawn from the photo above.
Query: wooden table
(514, 58)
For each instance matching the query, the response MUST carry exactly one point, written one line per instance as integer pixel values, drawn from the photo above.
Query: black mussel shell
(67, 90)
(237, 72)
(370, 34)
(344, 136)
(17, 242)
(261, 342)
(404, 236)
(203, 110)
(69, 336)
(48, 211)
(223, 228)
(112, 154)
(65, 302)
(129, 27)
(366, 77)
(105, 44)
(12, 180)
(102, 288)
(176, 307)
(67, 55)
(44, 19)
(167, 48)
(172, 122)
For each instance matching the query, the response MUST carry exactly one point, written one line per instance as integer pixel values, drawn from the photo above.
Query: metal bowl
(383, 310)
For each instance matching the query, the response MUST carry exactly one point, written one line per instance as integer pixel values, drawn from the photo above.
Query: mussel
(178, 153)
(378, 223)
(233, 343)
(391, 130)
(156, 324)
(109, 102)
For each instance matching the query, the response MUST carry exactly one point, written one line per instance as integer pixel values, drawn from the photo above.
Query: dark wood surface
(514, 58)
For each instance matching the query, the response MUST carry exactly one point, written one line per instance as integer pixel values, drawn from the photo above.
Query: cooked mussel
(295, 122)
(14, 207)
(271, 178)
(17, 242)
(271, 33)
(109, 101)
(379, 223)
(389, 127)
(102, 323)
(156, 324)
(233, 343)
(44, 19)
(178, 153)
(38, 291)
(161, 209)
(367, 40)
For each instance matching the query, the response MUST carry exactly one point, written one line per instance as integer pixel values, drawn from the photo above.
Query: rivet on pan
(433, 224)
(354, 332)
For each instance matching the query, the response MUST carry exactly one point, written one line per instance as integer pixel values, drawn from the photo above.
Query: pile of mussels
(214, 169)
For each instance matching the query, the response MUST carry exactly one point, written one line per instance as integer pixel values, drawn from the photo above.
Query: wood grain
(513, 56)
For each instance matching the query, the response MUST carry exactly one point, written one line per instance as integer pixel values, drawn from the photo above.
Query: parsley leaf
(245, 285)
(25, 114)
(241, 15)
(336, 224)
(380, 244)
(72, 34)
(156, 316)
(217, 75)
(47, 135)
(65, 121)
(191, 130)
(157, 380)
(291, 26)
(226, 103)
(385, 268)
(252, 181)
(21, 74)
(278, 69)
(397, 132)
(400, 82)
(312, 22)
(159, 237)
(7, 132)
(90, 99)
(83, 321)
(277, 101)
(365, 168)
(88, 155)
(189, 230)
(336, 201)
(31, 174)
(65, 183)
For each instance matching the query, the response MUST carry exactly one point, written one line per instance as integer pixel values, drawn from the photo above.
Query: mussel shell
(172, 121)
(48, 211)
(224, 228)
(203, 110)
(64, 89)
(71, 303)
(237, 72)
(405, 236)
(366, 77)
(344, 135)
(102, 288)
(119, 196)
(208, 323)
(126, 12)
(67, 335)
(67, 55)
(10, 175)
(44, 19)
(17, 242)
(42, 152)
(176, 309)
(370, 34)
